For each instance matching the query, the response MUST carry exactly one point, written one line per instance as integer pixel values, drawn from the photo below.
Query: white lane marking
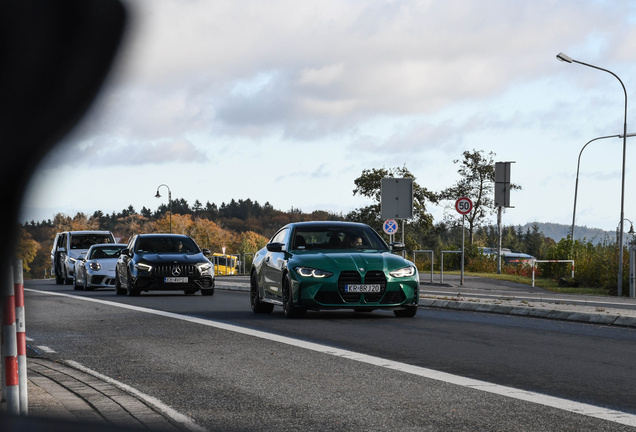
(45, 349)
(165, 409)
(527, 396)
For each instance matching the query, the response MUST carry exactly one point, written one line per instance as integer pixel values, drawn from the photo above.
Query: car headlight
(312, 272)
(403, 272)
(94, 265)
(205, 269)
(143, 267)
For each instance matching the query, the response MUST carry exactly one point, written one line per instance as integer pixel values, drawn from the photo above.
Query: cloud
(102, 153)
(305, 70)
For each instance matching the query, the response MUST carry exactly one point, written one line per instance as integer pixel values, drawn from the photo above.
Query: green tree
(477, 182)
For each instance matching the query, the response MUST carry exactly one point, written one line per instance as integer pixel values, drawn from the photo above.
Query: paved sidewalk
(63, 394)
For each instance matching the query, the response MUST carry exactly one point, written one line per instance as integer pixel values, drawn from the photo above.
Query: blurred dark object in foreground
(54, 56)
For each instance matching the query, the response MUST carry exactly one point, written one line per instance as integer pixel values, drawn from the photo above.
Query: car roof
(87, 232)
(163, 235)
(322, 223)
(108, 245)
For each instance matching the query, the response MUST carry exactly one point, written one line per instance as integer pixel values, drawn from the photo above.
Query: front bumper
(157, 283)
(329, 293)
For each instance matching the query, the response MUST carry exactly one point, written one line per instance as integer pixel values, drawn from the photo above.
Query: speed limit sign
(463, 205)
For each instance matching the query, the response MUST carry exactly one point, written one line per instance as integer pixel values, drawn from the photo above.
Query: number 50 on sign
(463, 205)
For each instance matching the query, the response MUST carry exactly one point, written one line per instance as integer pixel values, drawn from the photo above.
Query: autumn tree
(26, 249)
(477, 182)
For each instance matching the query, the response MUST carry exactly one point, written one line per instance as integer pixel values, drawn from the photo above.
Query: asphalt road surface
(230, 380)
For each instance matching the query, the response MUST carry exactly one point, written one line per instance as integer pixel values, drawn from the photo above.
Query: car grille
(353, 277)
(375, 277)
(349, 277)
(166, 270)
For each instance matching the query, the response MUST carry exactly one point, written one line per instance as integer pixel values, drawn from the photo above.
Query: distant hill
(558, 231)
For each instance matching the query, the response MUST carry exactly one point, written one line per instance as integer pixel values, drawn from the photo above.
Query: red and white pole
(9, 347)
(18, 288)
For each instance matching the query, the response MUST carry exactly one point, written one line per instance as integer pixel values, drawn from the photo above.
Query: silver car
(97, 268)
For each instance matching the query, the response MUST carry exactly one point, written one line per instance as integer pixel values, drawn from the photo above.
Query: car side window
(65, 241)
(281, 237)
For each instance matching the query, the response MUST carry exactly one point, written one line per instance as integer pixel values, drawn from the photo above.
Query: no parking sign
(390, 226)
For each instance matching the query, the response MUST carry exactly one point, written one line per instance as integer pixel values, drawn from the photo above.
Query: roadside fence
(534, 265)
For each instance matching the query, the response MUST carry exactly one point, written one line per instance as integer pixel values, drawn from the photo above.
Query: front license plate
(175, 280)
(365, 288)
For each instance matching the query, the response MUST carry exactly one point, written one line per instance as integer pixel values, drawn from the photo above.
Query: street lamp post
(564, 58)
(631, 228)
(169, 201)
(576, 185)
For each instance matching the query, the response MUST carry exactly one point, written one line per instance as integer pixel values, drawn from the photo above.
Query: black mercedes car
(163, 262)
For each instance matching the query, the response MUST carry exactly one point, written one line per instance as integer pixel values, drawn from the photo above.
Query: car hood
(172, 258)
(339, 261)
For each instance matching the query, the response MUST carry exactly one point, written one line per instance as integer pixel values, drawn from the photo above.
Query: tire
(255, 299)
(67, 280)
(118, 289)
(289, 308)
(130, 288)
(59, 280)
(207, 292)
(86, 287)
(409, 312)
(76, 287)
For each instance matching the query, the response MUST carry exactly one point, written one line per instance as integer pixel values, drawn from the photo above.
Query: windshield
(337, 237)
(105, 252)
(166, 245)
(85, 241)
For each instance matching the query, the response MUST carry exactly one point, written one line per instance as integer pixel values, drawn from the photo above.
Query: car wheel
(86, 287)
(130, 287)
(118, 289)
(67, 280)
(76, 287)
(59, 280)
(409, 312)
(255, 298)
(290, 309)
(207, 292)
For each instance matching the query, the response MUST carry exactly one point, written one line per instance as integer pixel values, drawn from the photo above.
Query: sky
(287, 102)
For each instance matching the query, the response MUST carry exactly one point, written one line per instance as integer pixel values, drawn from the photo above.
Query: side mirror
(397, 246)
(275, 247)
(206, 252)
(61, 249)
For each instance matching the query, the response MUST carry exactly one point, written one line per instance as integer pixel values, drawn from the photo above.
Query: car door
(123, 262)
(273, 265)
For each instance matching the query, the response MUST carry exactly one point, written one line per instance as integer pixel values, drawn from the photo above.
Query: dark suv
(163, 262)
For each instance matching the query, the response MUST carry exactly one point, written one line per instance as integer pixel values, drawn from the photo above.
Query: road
(232, 380)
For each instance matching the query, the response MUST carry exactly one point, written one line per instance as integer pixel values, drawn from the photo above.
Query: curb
(532, 311)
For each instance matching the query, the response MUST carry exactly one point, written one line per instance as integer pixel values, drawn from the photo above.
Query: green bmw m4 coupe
(332, 265)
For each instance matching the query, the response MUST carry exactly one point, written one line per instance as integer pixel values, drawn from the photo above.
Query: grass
(549, 284)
